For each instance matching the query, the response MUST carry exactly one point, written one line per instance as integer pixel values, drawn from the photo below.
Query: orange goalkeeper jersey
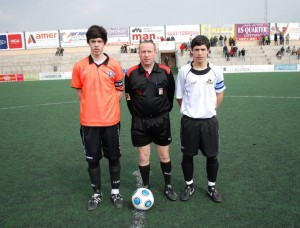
(99, 103)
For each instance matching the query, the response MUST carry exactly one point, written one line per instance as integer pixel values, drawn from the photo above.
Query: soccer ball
(142, 199)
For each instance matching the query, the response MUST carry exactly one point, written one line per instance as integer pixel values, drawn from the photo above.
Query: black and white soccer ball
(142, 199)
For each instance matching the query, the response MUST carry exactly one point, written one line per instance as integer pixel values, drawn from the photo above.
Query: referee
(199, 92)
(149, 89)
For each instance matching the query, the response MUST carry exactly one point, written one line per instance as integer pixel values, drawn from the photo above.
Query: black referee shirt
(149, 95)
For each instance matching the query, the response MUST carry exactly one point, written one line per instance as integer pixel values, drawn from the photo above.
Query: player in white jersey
(199, 92)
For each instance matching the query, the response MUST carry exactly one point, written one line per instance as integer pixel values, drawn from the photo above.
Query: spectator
(276, 39)
(231, 52)
(262, 40)
(294, 52)
(282, 50)
(287, 39)
(61, 52)
(182, 47)
(166, 60)
(243, 54)
(235, 50)
(225, 50)
(288, 50)
(227, 56)
(278, 55)
(221, 39)
(281, 38)
(57, 51)
(268, 40)
(298, 53)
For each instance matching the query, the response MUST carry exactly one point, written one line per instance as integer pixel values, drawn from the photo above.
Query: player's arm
(171, 90)
(120, 94)
(79, 92)
(220, 97)
(127, 93)
(179, 101)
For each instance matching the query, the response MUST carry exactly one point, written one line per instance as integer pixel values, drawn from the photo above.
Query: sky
(44, 15)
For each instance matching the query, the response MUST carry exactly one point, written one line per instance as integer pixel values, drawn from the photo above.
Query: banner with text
(217, 30)
(11, 41)
(73, 38)
(182, 33)
(42, 39)
(117, 35)
(154, 33)
(251, 31)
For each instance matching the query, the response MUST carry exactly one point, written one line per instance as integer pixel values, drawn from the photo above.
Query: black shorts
(145, 130)
(199, 134)
(98, 139)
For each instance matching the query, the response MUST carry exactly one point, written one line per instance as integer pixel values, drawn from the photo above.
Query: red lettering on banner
(143, 37)
(45, 35)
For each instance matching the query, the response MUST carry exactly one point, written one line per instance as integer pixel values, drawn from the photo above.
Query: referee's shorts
(199, 134)
(145, 130)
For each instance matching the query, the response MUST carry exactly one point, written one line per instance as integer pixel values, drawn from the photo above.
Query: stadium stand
(44, 60)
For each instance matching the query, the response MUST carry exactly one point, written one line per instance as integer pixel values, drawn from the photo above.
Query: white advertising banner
(55, 76)
(117, 35)
(42, 39)
(154, 33)
(293, 29)
(182, 33)
(73, 38)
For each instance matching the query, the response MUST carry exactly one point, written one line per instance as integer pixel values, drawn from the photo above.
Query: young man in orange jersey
(150, 91)
(98, 80)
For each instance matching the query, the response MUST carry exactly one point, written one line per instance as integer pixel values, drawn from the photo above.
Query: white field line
(71, 102)
(267, 97)
(37, 105)
(138, 216)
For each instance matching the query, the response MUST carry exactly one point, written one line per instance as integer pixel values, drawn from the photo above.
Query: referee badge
(160, 91)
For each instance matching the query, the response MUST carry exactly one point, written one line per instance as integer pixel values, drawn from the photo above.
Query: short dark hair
(199, 41)
(147, 42)
(96, 31)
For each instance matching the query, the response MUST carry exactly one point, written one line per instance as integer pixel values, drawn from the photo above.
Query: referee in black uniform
(149, 89)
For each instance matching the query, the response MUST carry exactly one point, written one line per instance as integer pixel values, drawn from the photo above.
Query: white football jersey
(198, 89)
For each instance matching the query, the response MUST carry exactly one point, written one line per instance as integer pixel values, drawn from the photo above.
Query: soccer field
(43, 173)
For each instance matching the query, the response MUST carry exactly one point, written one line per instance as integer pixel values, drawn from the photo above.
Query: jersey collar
(200, 72)
(91, 61)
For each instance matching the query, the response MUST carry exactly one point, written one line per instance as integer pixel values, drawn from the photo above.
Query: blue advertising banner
(3, 42)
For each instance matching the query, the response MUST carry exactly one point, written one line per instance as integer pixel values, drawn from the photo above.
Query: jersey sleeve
(180, 84)
(119, 84)
(76, 82)
(220, 85)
